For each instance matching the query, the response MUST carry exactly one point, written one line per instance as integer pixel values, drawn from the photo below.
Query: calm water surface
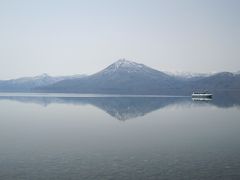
(107, 137)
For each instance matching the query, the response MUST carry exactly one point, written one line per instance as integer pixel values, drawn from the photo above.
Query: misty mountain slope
(29, 83)
(121, 77)
(219, 81)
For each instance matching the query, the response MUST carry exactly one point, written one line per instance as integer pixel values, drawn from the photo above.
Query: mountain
(121, 77)
(126, 77)
(29, 83)
(218, 81)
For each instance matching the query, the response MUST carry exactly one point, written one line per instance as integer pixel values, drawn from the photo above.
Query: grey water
(61, 136)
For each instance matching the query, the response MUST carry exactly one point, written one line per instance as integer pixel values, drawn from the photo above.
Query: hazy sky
(81, 37)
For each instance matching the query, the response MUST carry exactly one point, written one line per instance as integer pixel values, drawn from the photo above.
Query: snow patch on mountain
(237, 73)
(187, 75)
(123, 65)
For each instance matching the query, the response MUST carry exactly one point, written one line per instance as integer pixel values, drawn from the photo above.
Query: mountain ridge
(121, 77)
(128, 77)
(29, 83)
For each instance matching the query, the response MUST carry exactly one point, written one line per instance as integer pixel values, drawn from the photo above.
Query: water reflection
(64, 139)
(124, 108)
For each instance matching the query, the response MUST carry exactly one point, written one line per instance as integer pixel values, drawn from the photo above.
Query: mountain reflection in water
(124, 108)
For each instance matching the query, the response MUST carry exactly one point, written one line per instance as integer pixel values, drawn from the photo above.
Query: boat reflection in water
(201, 99)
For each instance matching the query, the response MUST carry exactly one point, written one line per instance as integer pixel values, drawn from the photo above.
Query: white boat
(203, 95)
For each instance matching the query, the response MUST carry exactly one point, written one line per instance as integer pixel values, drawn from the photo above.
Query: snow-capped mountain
(121, 77)
(125, 68)
(126, 65)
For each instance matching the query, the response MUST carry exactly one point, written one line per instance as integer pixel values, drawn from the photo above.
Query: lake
(70, 136)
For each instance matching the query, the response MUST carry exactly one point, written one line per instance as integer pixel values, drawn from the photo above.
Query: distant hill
(30, 83)
(127, 77)
(219, 81)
